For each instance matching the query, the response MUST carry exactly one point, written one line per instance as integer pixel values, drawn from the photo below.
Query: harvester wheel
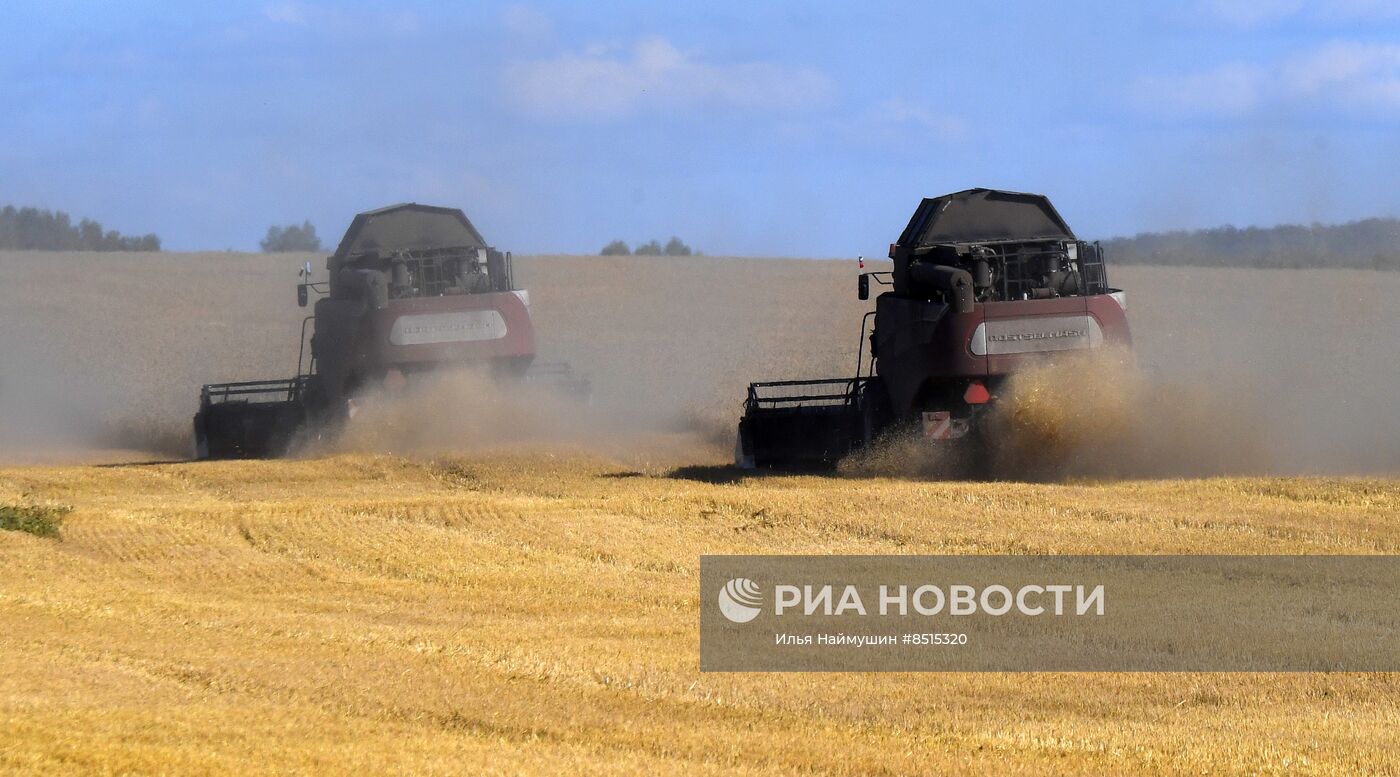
(743, 448)
(875, 413)
(201, 440)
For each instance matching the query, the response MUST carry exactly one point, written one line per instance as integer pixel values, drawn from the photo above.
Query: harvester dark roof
(408, 226)
(983, 215)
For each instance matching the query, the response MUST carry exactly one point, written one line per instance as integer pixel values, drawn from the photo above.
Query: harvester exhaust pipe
(955, 282)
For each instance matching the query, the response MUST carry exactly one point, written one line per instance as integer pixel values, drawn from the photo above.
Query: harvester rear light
(977, 394)
(893, 247)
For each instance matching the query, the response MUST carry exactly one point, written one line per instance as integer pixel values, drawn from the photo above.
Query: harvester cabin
(411, 250)
(1014, 246)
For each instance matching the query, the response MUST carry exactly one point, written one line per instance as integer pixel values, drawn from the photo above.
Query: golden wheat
(530, 605)
(536, 613)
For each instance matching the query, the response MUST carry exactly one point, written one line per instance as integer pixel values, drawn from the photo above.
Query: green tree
(1371, 242)
(650, 248)
(291, 238)
(41, 230)
(674, 247)
(615, 248)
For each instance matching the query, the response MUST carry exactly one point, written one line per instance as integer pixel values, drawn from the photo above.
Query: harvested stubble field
(529, 605)
(537, 614)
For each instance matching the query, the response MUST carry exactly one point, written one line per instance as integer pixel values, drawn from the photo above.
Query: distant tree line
(1370, 244)
(291, 238)
(673, 247)
(31, 229)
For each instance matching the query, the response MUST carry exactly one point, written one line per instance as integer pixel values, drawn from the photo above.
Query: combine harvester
(412, 288)
(985, 283)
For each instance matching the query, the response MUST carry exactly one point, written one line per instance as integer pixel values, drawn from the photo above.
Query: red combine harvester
(412, 288)
(985, 283)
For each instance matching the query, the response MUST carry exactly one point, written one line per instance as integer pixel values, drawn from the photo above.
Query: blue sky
(807, 129)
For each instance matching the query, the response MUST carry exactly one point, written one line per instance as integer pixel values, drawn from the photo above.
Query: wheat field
(527, 603)
(528, 613)
(108, 351)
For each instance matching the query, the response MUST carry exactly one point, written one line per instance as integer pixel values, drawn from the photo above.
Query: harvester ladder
(1092, 269)
(860, 347)
(301, 350)
(1013, 276)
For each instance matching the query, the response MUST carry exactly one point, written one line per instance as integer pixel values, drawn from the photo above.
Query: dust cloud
(1103, 416)
(1234, 372)
(1299, 360)
(102, 354)
(1245, 371)
(38, 408)
(455, 410)
(1084, 415)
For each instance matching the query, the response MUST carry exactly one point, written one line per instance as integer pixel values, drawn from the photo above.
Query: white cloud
(527, 23)
(1253, 13)
(286, 13)
(1357, 77)
(1228, 90)
(899, 115)
(1248, 13)
(605, 82)
(335, 21)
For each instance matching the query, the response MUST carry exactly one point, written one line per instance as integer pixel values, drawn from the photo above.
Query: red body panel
(926, 349)
(355, 347)
(1102, 307)
(517, 341)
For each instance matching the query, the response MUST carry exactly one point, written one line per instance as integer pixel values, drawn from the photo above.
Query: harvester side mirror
(301, 294)
(863, 286)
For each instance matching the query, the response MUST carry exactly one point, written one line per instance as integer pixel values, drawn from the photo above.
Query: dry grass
(534, 610)
(537, 613)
